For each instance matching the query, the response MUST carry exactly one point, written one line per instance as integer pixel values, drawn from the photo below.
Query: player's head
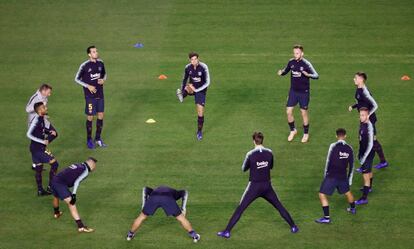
(193, 56)
(40, 108)
(341, 133)
(91, 163)
(363, 115)
(92, 52)
(45, 90)
(298, 52)
(258, 138)
(360, 78)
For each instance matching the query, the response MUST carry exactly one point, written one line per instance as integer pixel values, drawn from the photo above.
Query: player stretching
(40, 137)
(340, 155)
(92, 76)
(365, 99)
(260, 162)
(164, 197)
(366, 153)
(301, 71)
(67, 178)
(199, 79)
(40, 95)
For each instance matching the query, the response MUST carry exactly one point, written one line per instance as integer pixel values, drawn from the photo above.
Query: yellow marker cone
(150, 121)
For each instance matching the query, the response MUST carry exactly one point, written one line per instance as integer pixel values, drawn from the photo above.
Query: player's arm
(185, 78)
(103, 75)
(285, 70)
(246, 163)
(351, 167)
(30, 104)
(206, 76)
(79, 179)
(328, 157)
(311, 72)
(78, 80)
(370, 143)
(184, 196)
(371, 100)
(30, 135)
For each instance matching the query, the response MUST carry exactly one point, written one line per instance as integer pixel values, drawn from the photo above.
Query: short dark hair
(88, 50)
(298, 46)
(37, 106)
(192, 54)
(258, 137)
(45, 87)
(364, 109)
(92, 159)
(363, 75)
(340, 132)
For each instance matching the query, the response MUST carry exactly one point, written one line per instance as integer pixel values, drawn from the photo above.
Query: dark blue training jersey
(73, 175)
(366, 141)
(365, 99)
(88, 74)
(37, 133)
(340, 156)
(199, 76)
(260, 162)
(148, 192)
(298, 81)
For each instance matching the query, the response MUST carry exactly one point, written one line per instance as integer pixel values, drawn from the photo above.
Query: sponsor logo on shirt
(199, 73)
(196, 79)
(343, 155)
(95, 76)
(296, 74)
(262, 164)
(73, 166)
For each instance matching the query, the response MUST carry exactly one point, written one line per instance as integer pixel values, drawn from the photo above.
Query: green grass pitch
(243, 43)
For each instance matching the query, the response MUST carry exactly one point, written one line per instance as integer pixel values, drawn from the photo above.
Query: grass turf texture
(243, 43)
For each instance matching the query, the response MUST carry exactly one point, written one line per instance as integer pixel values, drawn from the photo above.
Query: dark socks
(352, 205)
(370, 182)
(325, 211)
(88, 129)
(79, 223)
(200, 122)
(365, 192)
(306, 129)
(185, 93)
(192, 234)
(56, 209)
(99, 125)
(292, 125)
(378, 150)
(38, 176)
(53, 169)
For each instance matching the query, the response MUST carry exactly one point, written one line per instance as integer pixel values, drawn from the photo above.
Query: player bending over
(163, 197)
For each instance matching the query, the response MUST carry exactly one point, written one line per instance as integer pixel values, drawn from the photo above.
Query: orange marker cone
(405, 77)
(162, 77)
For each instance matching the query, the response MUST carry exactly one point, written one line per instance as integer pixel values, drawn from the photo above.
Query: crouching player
(71, 177)
(340, 155)
(164, 197)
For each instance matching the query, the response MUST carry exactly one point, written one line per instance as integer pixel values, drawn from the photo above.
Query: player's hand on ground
(279, 72)
(73, 199)
(92, 89)
(305, 73)
(101, 81)
(350, 108)
(46, 142)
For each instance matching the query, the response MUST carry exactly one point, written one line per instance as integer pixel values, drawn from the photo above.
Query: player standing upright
(163, 197)
(40, 137)
(260, 162)
(195, 82)
(340, 156)
(365, 99)
(92, 76)
(301, 71)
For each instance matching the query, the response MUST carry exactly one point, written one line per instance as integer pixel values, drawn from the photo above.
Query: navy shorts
(329, 185)
(200, 98)
(60, 190)
(159, 201)
(93, 106)
(297, 97)
(41, 156)
(367, 166)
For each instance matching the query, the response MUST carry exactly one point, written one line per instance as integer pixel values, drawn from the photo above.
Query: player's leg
(378, 149)
(53, 169)
(57, 213)
(304, 99)
(326, 189)
(138, 222)
(292, 101)
(39, 182)
(74, 212)
(187, 226)
(151, 205)
(367, 176)
(350, 198)
(271, 197)
(99, 125)
(90, 111)
(200, 120)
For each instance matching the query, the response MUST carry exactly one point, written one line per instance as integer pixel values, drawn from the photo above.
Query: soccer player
(164, 197)
(92, 76)
(40, 95)
(195, 82)
(301, 71)
(40, 137)
(366, 153)
(67, 178)
(365, 99)
(260, 162)
(340, 156)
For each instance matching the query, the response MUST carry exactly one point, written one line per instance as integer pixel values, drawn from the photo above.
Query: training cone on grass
(405, 77)
(150, 121)
(162, 77)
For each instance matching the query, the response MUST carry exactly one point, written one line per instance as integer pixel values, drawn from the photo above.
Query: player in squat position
(301, 71)
(196, 72)
(92, 76)
(260, 162)
(164, 197)
(340, 156)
